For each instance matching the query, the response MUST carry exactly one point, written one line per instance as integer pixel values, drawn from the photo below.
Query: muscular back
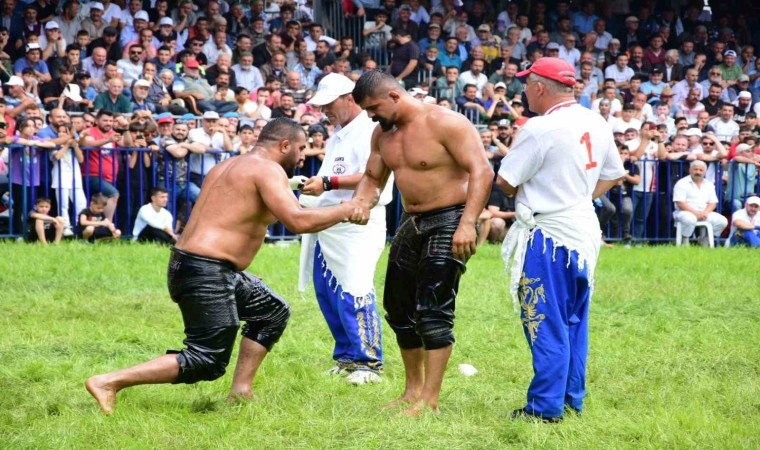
(428, 158)
(230, 219)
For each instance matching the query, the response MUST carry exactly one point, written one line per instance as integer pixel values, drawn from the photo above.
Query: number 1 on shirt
(586, 139)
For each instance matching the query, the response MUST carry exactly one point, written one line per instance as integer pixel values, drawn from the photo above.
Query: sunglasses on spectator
(707, 142)
(135, 53)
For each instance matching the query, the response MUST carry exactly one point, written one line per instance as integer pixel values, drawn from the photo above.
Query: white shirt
(346, 153)
(697, 197)
(620, 76)
(131, 71)
(212, 51)
(559, 157)
(572, 56)
(724, 131)
(615, 106)
(205, 161)
(66, 170)
(480, 81)
(250, 78)
(647, 168)
(681, 91)
(147, 216)
(741, 214)
(311, 45)
(621, 125)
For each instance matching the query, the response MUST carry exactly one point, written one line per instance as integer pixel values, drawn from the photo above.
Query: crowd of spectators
(192, 83)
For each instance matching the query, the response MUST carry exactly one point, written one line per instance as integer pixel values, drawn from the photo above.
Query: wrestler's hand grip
(297, 182)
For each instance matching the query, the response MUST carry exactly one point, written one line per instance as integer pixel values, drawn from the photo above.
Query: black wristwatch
(326, 184)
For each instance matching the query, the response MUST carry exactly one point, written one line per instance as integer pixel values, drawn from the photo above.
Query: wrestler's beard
(384, 124)
(290, 171)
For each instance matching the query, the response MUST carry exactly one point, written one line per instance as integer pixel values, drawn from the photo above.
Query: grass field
(674, 360)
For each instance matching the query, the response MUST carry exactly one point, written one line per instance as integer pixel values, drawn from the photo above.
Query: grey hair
(672, 53)
(165, 71)
(554, 87)
(697, 163)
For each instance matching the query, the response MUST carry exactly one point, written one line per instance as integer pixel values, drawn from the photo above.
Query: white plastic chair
(701, 223)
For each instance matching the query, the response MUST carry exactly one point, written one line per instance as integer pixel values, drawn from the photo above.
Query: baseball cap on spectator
(187, 117)
(164, 118)
(82, 75)
(743, 78)
(15, 81)
(500, 85)
(210, 115)
(51, 25)
(503, 123)
(110, 31)
(552, 46)
(729, 53)
(192, 63)
(754, 200)
(331, 87)
(655, 70)
(73, 92)
(245, 54)
(743, 148)
(166, 21)
(693, 132)
(141, 15)
(231, 115)
(434, 25)
(142, 83)
(556, 69)
(418, 91)
(484, 27)
(631, 19)
(405, 7)
(32, 46)
(97, 5)
(744, 94)
(517, 100)
(317, 128)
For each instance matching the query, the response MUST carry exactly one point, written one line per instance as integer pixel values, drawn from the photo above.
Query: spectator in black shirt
(324, 56)
(51, 91)
(405, 59)
(110, 42)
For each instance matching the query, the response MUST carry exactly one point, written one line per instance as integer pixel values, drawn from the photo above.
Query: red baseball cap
(556, 69)
(192, 63)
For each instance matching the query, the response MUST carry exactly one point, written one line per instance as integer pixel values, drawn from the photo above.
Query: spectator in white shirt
(216, 46)
(620, 72)
(246, 74)
(695, 200)
(725, 127)
(568, 52)
(474, 76)
(316, 34)
(153, 222)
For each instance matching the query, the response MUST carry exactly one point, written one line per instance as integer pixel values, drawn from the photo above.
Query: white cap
(15, 81)
(73, 92)
(693, 132)
(743, 148)
(500, 84)
(52, 25)
(32, 46)
(331, 87)
(754, 200)
(430, 100)
(166, 21)
(97, 5)
(142, 82)
(141, 15)
(210, 115)
(742, 94)
(418, 91)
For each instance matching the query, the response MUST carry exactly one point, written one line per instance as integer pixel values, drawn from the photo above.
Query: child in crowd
(43, 227)
(66, 176)
(93, 224)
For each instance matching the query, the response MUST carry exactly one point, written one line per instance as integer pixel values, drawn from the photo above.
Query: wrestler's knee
(436, 330)
(207, 359)
(268, 330)
(406, 336)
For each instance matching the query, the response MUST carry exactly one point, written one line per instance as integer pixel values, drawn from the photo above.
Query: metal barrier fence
(133, 172)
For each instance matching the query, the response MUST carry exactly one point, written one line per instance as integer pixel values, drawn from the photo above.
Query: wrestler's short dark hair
(370, 83)
(280, 129)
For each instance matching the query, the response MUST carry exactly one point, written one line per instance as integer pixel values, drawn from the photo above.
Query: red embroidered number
(586, 139)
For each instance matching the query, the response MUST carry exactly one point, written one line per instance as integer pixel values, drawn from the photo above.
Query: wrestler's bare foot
(104, 393)
(406, 399)
(421, 407)
(241, 395)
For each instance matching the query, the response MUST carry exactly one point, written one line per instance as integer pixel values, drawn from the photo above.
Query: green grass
(673, 364)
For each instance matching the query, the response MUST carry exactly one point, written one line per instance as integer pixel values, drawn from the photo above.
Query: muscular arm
(272, 184)
(461, 140)
(375, 176)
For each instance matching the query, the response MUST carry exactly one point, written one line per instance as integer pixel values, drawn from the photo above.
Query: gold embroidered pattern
(529, 298)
